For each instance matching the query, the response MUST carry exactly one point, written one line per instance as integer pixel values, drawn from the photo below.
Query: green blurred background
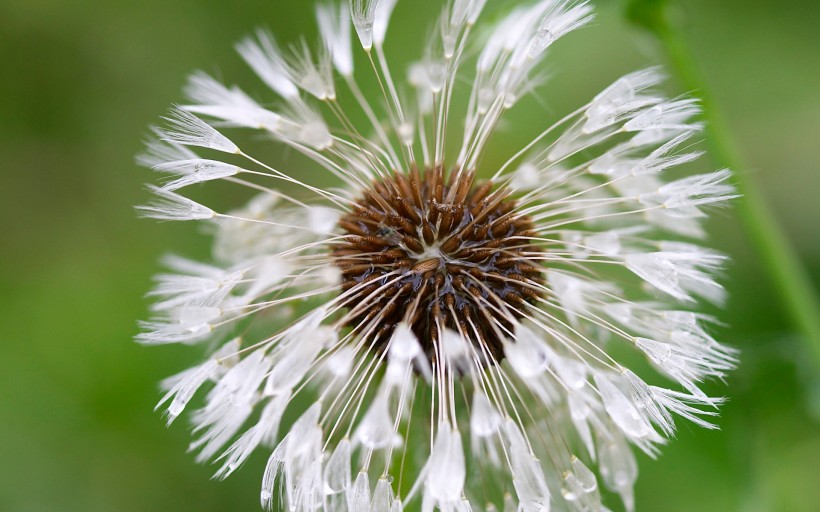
(82, 80)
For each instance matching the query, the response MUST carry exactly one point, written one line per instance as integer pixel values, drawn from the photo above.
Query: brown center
(437, 253)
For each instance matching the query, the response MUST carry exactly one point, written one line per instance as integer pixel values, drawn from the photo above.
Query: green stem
(771, 244)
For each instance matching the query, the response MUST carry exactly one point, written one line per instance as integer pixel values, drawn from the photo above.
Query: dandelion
(431, 333)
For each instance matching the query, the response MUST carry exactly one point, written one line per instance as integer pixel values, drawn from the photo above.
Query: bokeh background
(82, 80)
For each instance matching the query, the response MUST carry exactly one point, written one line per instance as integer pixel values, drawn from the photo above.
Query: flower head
(445, 334)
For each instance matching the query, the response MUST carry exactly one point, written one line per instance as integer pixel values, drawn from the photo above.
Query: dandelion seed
(444, 340)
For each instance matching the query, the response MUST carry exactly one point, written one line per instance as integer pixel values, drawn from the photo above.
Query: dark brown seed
(442, 253)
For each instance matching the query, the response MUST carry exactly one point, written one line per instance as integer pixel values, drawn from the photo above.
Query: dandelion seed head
(423, 331)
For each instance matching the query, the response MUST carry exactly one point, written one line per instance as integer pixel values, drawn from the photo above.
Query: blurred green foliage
(82, 81)
(649, 14)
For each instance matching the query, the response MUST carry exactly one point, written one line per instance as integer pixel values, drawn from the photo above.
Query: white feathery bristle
(622, 99)
(192, 290)
(229, 405)
(574, 139)
(283, 72)
(580, 487)
(607, 243)
(330, 276)
(362, 13)
(679, 274)
(521, 41)
(189, 130)
(571, 372)
(503, 38)
(528, 476)
(191, 314)
(381, 19)
(406, 132)
(685, 221)
(526, 177)
(246, 117)
(505, 62)
(457, 15)
(645, 189)
(169, 205)
(315, 78)
(193, 324)
(700, 190)
(618, 468)
(190, 267)
(450, 29)
(664, 157)
(303, 477)
(227, 356)
(405, 348)
(562, 17)
(619, 162)
(308, 493)
(510, 504)
(463, 506)
(295, 453)
(428, 76)
(265, 430)
(375, 431)
(681, 404)
(383, 496)
(272, 471)
(186, 385)
(334, 25)
(397, 506)
(671, 115)
(643, 396)
(436, 75)
(471, 10)
(231, 105)
(241, 383)
(340, 363)
(446, 471)
(203, 88)
(418, 78)
(265, 58)
(456, 351)
(304, 125)
(621, 409)
(359, 494)
(301, 346)
(159, 151)
(580, 413)
(571, 292)
(322, 220)
(526, 39)
(484, 418)
(266, 272)
(686, 365)
(628, 87)
(195, 171)
(526, 353)
(337, 476)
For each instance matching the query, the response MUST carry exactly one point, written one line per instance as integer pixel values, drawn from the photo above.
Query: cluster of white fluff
(384, 431)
